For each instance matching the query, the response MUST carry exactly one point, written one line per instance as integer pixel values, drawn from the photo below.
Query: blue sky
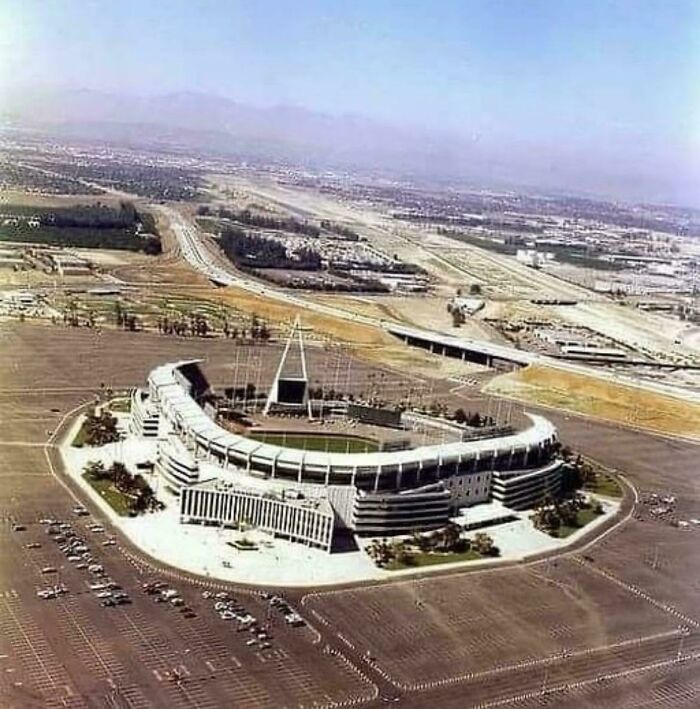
(584, 73)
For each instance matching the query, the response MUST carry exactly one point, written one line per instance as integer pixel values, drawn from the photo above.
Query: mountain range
(309, 138)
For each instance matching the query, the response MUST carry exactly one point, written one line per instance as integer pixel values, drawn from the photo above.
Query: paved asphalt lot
(614, 624)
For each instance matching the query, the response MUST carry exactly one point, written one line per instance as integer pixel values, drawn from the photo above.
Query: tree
(121, 477)
(483, 544)
(100, 429)
(460, 416)
(143, 500)
(475, 289)
(381, 552)
(402, 554)
(118, 314)
(571, 478)
(95, 469)
(448, 537)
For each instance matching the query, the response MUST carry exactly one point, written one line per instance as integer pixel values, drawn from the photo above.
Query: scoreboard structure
(389, 418)
(290, 389)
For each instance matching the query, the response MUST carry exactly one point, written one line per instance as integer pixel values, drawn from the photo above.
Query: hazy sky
(612, 77)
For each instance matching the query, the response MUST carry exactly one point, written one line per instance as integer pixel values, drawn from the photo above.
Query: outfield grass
(117, 500)
(430, 559)
(330, 443)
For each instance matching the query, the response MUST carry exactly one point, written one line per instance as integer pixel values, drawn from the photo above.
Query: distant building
(533, 258)
(468, 306)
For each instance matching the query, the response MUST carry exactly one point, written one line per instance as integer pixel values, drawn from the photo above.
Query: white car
(49, 570)
(104, 594)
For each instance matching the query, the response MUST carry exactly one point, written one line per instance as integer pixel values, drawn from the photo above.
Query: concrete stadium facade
(372, 493)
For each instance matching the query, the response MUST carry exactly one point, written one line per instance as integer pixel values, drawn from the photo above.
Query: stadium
(224, 475)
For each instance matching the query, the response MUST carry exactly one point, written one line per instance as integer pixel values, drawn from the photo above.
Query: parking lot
(99, 633)
(614, 624)
(489, 620)
(79, 646)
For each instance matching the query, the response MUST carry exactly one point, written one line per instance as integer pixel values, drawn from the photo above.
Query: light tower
(290, 389)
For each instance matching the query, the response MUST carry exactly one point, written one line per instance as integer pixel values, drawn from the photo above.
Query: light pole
(679, 654)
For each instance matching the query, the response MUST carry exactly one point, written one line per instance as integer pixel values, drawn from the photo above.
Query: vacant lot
(606, 400)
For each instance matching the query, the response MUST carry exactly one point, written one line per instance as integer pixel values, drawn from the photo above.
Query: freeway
(196, 253)
(202, 258)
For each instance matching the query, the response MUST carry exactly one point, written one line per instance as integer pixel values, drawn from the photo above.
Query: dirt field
(604, 400)
(51, 200)
(278, 311)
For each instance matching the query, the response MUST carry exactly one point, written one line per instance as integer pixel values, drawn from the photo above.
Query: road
(194, 250)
